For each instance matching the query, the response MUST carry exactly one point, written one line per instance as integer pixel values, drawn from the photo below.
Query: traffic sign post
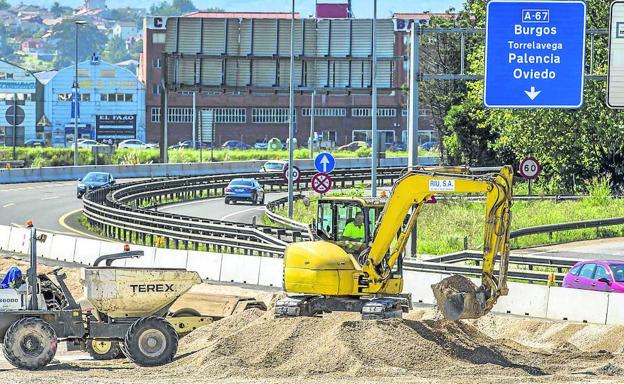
(324, 162)
(296, 174)
(530, 168)
(534, 54)
(322, 183)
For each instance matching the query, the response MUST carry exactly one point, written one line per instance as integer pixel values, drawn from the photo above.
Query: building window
(107, 73)
(423, 112)
(367, 112)
(270, 115)
(180, 115)
(116, 97)
(230, 115)
(158, 38)
(156, 63)
(85, 97)
(5, 76)
(64, 97)
(328, 136)
(155, 90)
(404, 112)
(325, 112)
(185, 93)
(155, 115)
(20, 96)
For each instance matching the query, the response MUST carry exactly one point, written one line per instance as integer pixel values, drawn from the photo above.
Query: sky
(361, 8)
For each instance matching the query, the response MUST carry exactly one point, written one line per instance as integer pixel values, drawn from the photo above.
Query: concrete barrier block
(240, 269)
(207, 264)
(63, 248)
(577, 305)
(145, 261)
(5, 235)
(271, 272)
(170, 258)
(44, 249)
(615, 309)
(87, 250)
(524, 300)
(19, 240)
(419, 285)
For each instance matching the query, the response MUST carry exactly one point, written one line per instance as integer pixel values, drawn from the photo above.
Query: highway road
(242, 212)
(602, 249)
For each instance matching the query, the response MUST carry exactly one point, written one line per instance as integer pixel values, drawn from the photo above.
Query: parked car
(87, 144)
(186, 144)
(93, 180)
(244, 189)
(152, 146)
(235, 144)
(596, 275)
(261, 144)
(354, 146)
(35, 143)
(397, 146)
(429, 145)
(133, 144)
(274, 166)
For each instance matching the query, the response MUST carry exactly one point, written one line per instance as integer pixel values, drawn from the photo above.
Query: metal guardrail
(130, 212)
(270, 208)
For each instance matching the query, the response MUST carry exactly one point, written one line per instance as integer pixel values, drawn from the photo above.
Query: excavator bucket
(459, 298)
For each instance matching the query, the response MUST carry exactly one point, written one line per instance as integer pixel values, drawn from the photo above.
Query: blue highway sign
(534, 54)
(324, 162)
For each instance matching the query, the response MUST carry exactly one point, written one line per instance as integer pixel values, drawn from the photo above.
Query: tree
(5, 48)
(90, 40)
(58, 10)
(4, 5)
(177, 8)
(115, 50)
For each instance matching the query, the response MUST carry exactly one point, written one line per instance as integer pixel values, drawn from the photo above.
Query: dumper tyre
(30, 343)
(151, 341)
(104, 349)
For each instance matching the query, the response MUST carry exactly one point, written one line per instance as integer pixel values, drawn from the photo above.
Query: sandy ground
(253, 347)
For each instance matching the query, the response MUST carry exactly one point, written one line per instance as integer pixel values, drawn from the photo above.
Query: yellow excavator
(355, 264)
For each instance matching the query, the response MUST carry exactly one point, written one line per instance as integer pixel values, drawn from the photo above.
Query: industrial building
(253, 114)
(112, 103)
(19, 105)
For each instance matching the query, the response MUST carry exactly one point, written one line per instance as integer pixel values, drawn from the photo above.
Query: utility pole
(412, 120)
(75, 96)
(291, 112)
(14, 125)
(374, 132)
(311, 145)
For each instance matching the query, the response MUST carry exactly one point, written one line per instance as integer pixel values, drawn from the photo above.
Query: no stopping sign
(530, 168)
(321, 182)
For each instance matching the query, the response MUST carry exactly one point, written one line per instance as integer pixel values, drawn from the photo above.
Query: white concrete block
(615, 311)
(271, 272)
(207, 264)
(419, 285)
(577, 305)
(63, 248)
(524, 300)
(5, 234)
(19, 240)
(87, 250)
(170, 258)
(44, 249)
(145, 261)
(240, 269)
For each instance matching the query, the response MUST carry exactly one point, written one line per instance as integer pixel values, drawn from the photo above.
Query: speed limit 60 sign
(530, 168)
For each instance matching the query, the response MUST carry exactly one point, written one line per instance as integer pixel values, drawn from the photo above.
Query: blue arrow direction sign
(534, 54)
(324, 162)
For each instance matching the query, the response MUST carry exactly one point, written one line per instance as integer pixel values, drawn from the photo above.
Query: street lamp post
(75, 96)
(291, 112)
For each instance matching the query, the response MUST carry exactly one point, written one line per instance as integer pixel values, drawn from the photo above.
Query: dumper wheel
(54, 298)
(151, 341)
(104, 349)
(30, 343)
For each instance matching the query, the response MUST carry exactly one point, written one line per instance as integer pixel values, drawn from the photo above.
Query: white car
(133, 144)
(274, 166)
(87, 144)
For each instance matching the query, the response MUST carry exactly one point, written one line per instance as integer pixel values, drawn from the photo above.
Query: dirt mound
(253, 345)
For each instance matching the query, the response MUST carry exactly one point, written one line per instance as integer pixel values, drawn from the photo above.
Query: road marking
(50, 198)
(239, 212)
(169, 206)
(63, 224)
(8, 205)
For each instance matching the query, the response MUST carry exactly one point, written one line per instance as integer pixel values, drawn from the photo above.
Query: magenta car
(596, 275)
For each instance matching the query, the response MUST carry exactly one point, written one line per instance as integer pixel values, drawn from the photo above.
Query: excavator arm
(456, 296)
